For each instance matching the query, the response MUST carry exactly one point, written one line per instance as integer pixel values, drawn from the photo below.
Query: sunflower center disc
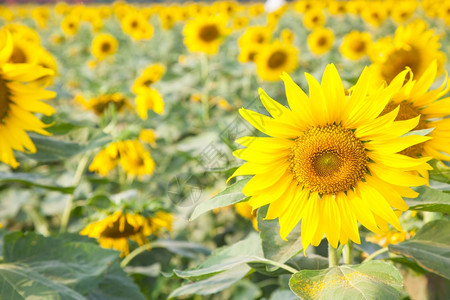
(106, 47)
(209, 33)
(328, 159)
(399, 60)
(114, 230)
(406, 112)
(4, 99)
(277, 59)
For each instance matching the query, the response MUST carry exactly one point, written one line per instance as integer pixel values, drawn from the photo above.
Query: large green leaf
(274, 247)
(372, 281)
(440, 172)
(430, 200)
(19, 282)
(212, 284)
(430, 247)
(35, 180)
(231, 195)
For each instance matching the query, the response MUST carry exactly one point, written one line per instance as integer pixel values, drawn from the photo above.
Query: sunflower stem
(375, 254)
(347, 253)
(77, 178)
(134, 253)
(205, 90)
(333, 257)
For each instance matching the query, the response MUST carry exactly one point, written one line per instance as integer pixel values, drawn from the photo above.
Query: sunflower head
(104, 45)
(205, 34)
(275, 58)
(320, 40)
(331, 159)
(355, 45)
(149, 76)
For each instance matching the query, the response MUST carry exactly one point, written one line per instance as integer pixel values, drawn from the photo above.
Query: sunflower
(331, 160)
(149, 76)
(287, 36)
(130, 154)
(375, 13)
(204, 34)
(70, 25)
(240, 22)
(99, 104)
(337, 7)
(416, 100)
(403, 11)
(104, 45)
(355, 45)
(137, 26)
(248, 52)
(18, 101)
(413, 46)
(255, 35)
(149, 98)
(23, 33)
(275, 58)
(246, 211)
(115, 230)
(148, 136)
(320, 40)
(23, 51)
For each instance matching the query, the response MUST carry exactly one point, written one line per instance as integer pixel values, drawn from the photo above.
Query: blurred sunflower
(320, 40)
(391, 237)
(148, 136)
(146, 99)
(314, 18)
(99, 104)
(287, 36)
(374, 13)
(148, 77)
(246, 211)
(337, 7)
(23, 51)
(23, 33)
(130, 154)
(403, 10)
(412, 46)
(240, 22)
(40, 14)
(248, 52)
(416, 100)
(355, 45)
(18, 101)
(137, 26)
(104, 45)
(115, 230)
(205, 34)
(70, 25)
(274, 59)
(331, 160)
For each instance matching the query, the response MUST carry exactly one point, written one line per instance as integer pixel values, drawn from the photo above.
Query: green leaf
(183, 248)
(440, 172)
(75, 264)
(19, 283)
(430, 247)
(372, 280)
(231, 195)
(430, 200)
(35, 180)
(213, 284)
(225, 258)
(274, 247)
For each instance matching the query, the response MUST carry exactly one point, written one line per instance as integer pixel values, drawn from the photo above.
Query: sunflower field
(225, 150)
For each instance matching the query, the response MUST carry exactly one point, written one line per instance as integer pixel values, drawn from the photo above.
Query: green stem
(77, 178)
(375, 254)
(205, 90)
(38, 220)
(347, 253)
(135, 253)
(333, 257)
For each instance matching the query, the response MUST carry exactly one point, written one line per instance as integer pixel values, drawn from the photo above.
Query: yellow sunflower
(330, 160)
(149, 98)
(148, 136)
(18, 101)
(287, 36)
(115, 230)
(130, 154)
(355, 45)
(413, 46)
(248, 52)
(70, 25)
(320, 40)
(416, 100)
(149, 76)
(274, 59)
(205, 34)
(314, 18)
(403, 10)
(104, 45)
(374, 13)
(137, 26)
(255, 35)
(99, 104)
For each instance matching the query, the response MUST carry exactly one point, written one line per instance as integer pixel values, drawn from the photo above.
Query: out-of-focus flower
(274, 59)
(104, 45)
(205, 34)
(320, 40)
(355, 45)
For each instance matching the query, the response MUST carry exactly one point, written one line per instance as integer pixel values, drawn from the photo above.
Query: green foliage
(372, 281)
(430, 200)
(430, 247)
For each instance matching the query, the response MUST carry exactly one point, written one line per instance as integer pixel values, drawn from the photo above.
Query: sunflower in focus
(320, 40)
(413, 46)
(130, 154)
(148, 77)
(18, 101)
(205, 34)
(274, 59)
(99, 104)
(104, 45)
(355, 45)
(417, 100)
(330, 160)
(116, 230)
(314, 18)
